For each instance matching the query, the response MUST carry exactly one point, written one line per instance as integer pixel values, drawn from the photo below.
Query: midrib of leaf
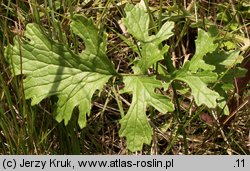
(139, 26)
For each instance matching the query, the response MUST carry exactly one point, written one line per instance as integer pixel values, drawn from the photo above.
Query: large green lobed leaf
(51, 68)
(198, 82)
(137, 24)
(197, 73)
(134, 125)
(209, 65)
